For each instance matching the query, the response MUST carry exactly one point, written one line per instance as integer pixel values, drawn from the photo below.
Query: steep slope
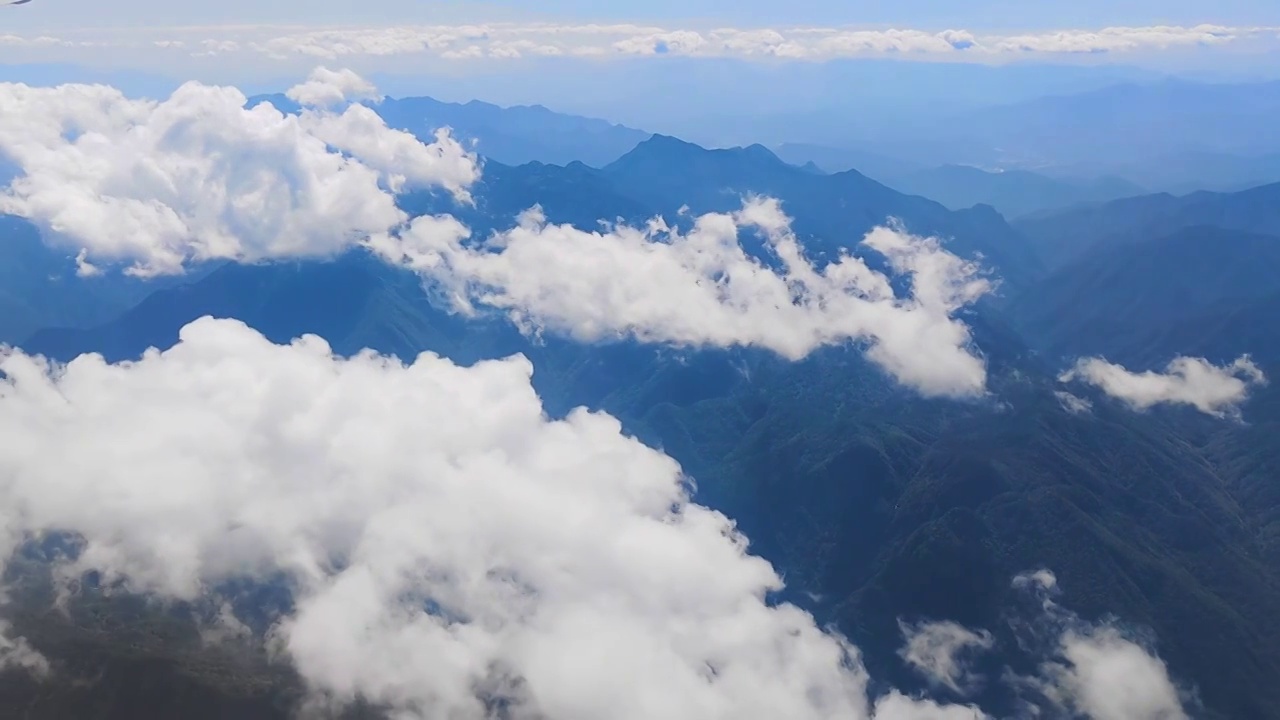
(833, 210)
(1124, 300)
(39, 286)
(1062, 236)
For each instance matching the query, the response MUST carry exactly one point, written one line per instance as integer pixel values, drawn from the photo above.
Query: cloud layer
(448, 546)
(507, 41)
(444, 540)
(198, 176)
(1211, 389)
(701, 288)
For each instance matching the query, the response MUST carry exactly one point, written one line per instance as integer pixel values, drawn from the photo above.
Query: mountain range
(876, 504)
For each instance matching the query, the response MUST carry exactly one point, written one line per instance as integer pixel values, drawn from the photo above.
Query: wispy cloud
(1211, 389)
(512, 41)
(939, 651)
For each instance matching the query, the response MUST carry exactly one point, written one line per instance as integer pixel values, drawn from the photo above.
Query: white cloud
(1094, 670)
(515, 40)
(1213, 390)
(1107, 677)
(198, 176)
(325, 88)
(442, 537)
(656, 284)
(939, 651)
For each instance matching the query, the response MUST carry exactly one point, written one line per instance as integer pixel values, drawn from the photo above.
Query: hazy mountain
(512, 135)
(1131, 122)
(1061, 236)
(1187, 171)
(835, 159)
(515, 135)
(1013, 192)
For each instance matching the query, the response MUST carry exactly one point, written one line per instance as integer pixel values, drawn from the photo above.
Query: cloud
(445, 541)
(507, 41)
(201, 177)
(1072, 403)
(937, 651)
(515, 40)
(1094, 670)
(702, 289)
(1213, 390)
(17, 653)
(326, 87)
(198, 176)
(1107, 677)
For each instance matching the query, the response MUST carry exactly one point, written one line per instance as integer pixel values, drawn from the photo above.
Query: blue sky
(934, 14)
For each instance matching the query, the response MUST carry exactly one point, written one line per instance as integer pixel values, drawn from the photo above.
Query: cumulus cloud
(939, 651)
(327, 87)
(446, 543)
(1105, 676)
(701, 288)
(198, 176)
(201, 177)
(1094, 670)
(1211, 389)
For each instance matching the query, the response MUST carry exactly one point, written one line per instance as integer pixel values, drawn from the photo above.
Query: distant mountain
(834, 210)
(516, 135)
(834, 160)
(511, 135)
(1062, 236)
(1013, 192)
(1186, 171)
(1132, 121)
(1143, 302)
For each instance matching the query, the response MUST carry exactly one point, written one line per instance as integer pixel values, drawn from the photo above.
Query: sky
(470, 32)
(984, 14)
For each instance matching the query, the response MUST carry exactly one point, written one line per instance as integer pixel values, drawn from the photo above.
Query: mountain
(1129, 301)
(39, 286)
(1061, 236)
(1186, 171)
(1132, 121)
(515, 135)
(875, 503)
(512, 135)
(835, 159)
(1013, 192)
(833, 210)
